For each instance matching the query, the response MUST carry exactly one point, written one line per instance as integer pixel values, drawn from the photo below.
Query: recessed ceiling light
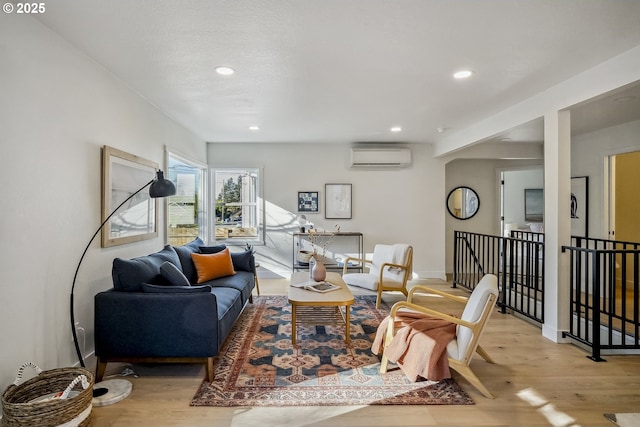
(396, 129)
(254, 128)
(463, 74)
(441, 130)
(225, 71)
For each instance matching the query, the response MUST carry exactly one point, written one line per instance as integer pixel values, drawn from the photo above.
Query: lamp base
(109, 392)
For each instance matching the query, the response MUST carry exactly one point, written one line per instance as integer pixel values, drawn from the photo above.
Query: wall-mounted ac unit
(380, 157)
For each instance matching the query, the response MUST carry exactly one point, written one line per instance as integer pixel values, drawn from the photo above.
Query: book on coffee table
(314, 286)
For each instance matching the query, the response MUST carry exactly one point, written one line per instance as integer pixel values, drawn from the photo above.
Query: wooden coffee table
(314, 308)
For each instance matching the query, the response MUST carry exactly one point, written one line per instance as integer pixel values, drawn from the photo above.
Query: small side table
(255, 277)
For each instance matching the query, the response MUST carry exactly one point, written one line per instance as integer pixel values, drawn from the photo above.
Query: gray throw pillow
(173, 275)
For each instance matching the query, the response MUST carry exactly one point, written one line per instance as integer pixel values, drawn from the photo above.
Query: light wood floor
(536, 383)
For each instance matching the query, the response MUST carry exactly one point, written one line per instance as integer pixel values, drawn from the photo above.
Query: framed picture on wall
(337, 203)
(533, 204)
(123, 175)
(580, 206)
(307, 201)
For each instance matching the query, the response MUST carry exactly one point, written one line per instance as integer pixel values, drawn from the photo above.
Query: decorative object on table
(258, 365)
(304, 256)
(337, 204)
(303, 224)
(158, 187)
(54, 397)
(308, 201)
(312, 285)
(580, 206)
(137, 216)
(319, 271)
(320, 242)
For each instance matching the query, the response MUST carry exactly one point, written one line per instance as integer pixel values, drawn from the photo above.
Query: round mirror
(463, 202)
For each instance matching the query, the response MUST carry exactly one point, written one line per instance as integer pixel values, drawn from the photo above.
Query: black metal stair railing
(605, 295)
(517, 261)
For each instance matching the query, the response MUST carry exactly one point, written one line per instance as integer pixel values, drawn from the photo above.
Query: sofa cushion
(173, 274)
(159, 289)
(242, 261)
(129, 274)
(184, 254)
(230, 306)
(242, 281)
(213, 266)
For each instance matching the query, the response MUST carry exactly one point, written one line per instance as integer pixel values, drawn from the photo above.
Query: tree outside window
(236, 205)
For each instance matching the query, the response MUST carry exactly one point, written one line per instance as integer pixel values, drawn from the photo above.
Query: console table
(343, 244)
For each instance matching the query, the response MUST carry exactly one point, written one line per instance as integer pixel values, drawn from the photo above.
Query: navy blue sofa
(148, 317)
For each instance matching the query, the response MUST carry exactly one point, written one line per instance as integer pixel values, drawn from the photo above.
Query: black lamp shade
(161, 187)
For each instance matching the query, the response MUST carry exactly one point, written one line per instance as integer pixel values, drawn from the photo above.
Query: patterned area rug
(258, 366)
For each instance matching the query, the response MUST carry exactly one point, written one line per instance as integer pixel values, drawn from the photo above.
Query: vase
(319, 271)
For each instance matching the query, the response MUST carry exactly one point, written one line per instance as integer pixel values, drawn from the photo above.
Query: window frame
(259, 206)
(203, 193)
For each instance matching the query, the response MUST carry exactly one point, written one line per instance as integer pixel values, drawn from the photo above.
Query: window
(238, 214)
(186, 218)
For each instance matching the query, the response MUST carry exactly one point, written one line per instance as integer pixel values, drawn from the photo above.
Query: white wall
(515, 182)
(389, 206)
(588, 154)
(57, 109)
(482, 175)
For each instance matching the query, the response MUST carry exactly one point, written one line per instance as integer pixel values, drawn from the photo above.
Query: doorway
(515, 185)
(624, 205)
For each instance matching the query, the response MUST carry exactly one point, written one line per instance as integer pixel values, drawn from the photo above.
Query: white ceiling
(346, 70)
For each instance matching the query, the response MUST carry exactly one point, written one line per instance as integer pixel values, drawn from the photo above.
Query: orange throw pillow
(213, 266)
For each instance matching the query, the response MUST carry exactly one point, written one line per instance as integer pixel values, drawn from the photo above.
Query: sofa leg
(210, 369)
(100, 368)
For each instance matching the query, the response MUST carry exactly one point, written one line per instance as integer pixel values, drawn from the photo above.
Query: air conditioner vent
(380, 157)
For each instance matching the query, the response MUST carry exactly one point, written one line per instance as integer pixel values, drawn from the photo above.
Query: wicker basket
(304, 257)
(53, 398)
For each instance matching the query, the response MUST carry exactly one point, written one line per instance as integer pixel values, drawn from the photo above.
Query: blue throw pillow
(212, 249)
(157, 289)
(130, 274)
(243, 261)
(173, 275)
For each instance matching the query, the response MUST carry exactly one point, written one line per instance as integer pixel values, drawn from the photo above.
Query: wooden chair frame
(407, 268)
(459, 365)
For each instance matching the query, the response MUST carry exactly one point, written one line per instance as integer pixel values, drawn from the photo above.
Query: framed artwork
(533, 204)
(580, 206)
(307, 201)
(122, 175)
(337, 203)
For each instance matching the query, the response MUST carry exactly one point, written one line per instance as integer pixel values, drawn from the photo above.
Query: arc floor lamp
(159, 187)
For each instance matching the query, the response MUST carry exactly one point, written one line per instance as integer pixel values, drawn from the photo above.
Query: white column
(557, 222)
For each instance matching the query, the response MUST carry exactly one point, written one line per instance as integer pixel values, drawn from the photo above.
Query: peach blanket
(420, 346)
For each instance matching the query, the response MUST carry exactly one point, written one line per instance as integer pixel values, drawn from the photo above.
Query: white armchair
(388, 270)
